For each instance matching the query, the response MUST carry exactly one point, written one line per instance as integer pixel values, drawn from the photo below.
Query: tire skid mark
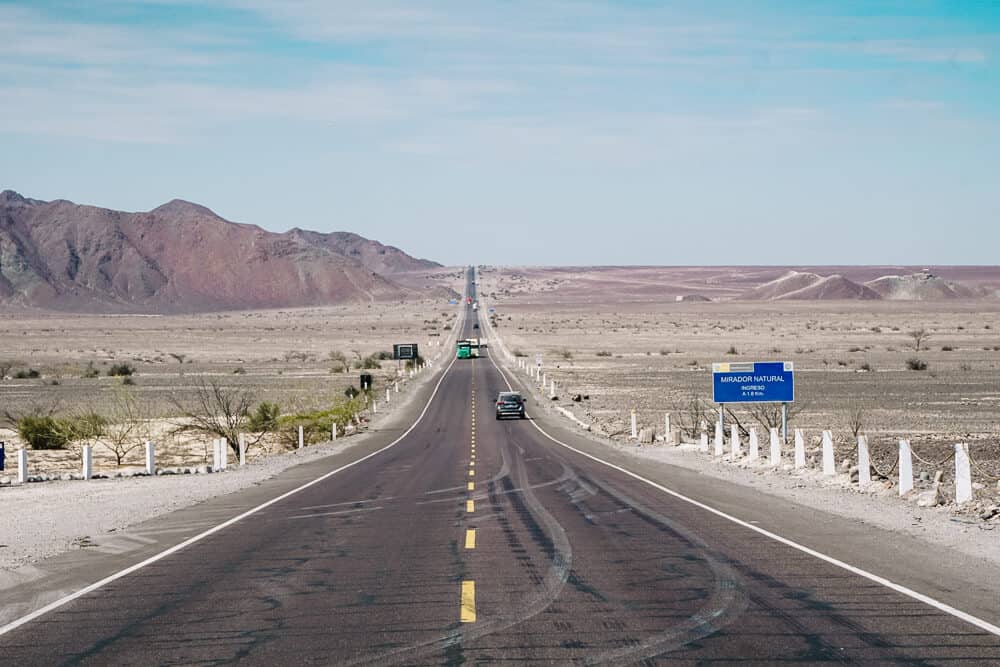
(547, 532)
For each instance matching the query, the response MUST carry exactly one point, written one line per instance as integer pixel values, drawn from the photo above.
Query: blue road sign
(753, 382)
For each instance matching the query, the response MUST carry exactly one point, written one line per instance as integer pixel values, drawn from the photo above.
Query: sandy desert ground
(282, 356)
(654, 355)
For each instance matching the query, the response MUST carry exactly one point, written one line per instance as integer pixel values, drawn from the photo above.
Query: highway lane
(568, 561)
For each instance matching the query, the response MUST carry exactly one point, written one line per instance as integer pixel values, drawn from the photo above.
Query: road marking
(899, 588)
(470, 506)
(472, 464)
(470, 538)
(472, 486)
(27, 618)
(472, 473)
(341, 512)
(468, 612)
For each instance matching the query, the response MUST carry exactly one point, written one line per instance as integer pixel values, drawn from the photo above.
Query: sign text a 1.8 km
(753, 382)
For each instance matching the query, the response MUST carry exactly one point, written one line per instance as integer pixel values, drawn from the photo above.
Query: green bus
(468, 348)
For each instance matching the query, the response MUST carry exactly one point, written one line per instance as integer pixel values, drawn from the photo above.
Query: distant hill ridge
(182, 257)
(807, 286)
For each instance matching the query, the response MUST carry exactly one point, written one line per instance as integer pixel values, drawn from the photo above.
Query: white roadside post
(333, 430)
(666, 428)
(963, 474)
(718, 439)
(88, 462)
(703, 443)
(552, 389)
(775, 447)
(22, 466)
(387, 395)
(864, 463)
(150, 458)
(243, 450)
(374, 407)
(754, 445)
(301, 439)
(635, 433)
(829, 467)
(216, 455)
(396, 387)
(734, 441)
(800, 449)
(905, 468)
(224, 453)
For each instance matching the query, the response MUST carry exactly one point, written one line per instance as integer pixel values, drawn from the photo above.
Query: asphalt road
(474, 540)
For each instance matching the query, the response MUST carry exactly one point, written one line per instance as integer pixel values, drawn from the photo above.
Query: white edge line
(940, 606)
(16, 623)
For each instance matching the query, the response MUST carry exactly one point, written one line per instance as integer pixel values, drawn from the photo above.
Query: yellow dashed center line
(468, 613)
(472, 473)
(472, 486)
(470, 506)
(470, 538)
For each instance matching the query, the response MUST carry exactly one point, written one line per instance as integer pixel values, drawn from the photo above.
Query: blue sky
(749, 132)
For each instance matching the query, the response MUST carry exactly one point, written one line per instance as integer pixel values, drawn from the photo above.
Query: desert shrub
(947, 348)
(915, 364)
(866, 367)
(121, 370)
(413, 363)
(520, 353)
(44, 431)
(854, 348)
(316, 425)
(732, 350)
(566, 354)
(239, 370)
(90, 371)
(28, 374)
(128, 380)
(370, 363)
(264, 417)
(664, 353)
(603, 353)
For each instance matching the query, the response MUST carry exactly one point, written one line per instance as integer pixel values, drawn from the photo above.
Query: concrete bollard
(905, 468)
(635, 433)
(216, 455)
(864, 463)
(552, 389)
(333, 431)
(718, 439)
(374, 407)
(703, 443)
(829, 466)
(666, 427)
(397, 387)
(301, 439)
(800, 449)
(775, 447)
(224, 453)
(963, 474)
(243, 450)
(22, 466)
(386, 394)
(150, 458)
(88, 461)
(754, 446)
(734, 441)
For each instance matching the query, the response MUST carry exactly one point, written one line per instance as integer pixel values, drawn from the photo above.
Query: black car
(510, 404)
(476, 325)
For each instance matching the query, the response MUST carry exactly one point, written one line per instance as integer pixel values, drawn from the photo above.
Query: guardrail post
(734, 441)
(775, 447)
(216, 454)
(666, 428)
(754, 445)
(864, 463)
(397, 387)
(386, 394)
(150, 458)
(905, 468)
(301, 439)
(829, 465)
(22, 466)
(333, 430)
(718, 439)
(224, 453)
(703, 443)
(552, 389)
(800, 449)
(243, 450)
(88, 462)
(374, 407)
(963, 474)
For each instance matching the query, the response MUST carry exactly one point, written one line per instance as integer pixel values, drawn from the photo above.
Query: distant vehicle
(475, 305)
(468, 299)
(475, 325)
(468, 348)
(510, 404)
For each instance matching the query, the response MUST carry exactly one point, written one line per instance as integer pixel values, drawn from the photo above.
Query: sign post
(754, 382)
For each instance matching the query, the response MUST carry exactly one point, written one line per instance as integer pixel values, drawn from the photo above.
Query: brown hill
(804, 286)
(922, 286)
(180, 257)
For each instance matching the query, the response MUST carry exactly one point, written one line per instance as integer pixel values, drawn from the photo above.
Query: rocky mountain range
(182, 257)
